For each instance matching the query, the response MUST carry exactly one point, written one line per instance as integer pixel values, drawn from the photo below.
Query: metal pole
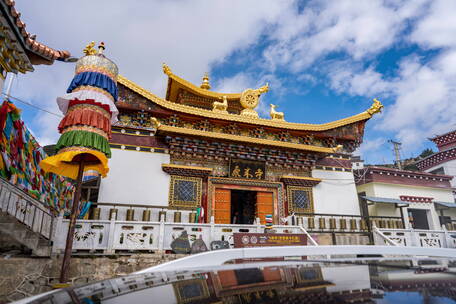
(71, 227)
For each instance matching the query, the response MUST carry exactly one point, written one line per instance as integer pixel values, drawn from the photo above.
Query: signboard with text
(241, 168)
(243, 240)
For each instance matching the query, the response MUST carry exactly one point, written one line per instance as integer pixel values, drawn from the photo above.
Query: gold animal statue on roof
(376, 107)
(274, 114)
(89, 50)
(220, 106)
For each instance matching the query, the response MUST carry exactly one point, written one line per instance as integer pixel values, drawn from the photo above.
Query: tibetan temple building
(203, 154)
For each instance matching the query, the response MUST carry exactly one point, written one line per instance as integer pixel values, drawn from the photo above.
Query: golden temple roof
(179, 83)
(375, 108)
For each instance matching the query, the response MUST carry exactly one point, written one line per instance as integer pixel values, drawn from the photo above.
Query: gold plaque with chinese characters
(240, 168)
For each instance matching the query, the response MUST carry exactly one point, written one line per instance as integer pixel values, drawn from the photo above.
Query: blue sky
(324, 60)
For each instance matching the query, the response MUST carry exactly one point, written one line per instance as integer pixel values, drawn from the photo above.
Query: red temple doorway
(239, 206)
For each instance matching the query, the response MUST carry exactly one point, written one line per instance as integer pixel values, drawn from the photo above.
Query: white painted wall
(135, 178)
(336, 193)
(450, 169)
(395, 191)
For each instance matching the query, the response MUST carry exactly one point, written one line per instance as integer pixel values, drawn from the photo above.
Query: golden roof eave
(186, 167)
(302, 178)
(243, 119)
(246, 139)
(197, 90)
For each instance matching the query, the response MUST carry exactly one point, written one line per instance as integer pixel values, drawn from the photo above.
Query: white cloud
(357, 28)
(189, 36)
(438, 27)
(192, 36)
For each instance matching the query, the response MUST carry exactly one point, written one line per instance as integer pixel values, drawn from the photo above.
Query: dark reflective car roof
(374, 281)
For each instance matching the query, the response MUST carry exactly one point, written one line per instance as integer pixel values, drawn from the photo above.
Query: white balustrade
(419, 238)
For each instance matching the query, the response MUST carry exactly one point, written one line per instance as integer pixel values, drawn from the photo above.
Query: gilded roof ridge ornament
(376, 107)
(240, 118)
(89, 50)
(274, 114)
(205, 85)
(218, 106)
(166, 69)
(250, 99)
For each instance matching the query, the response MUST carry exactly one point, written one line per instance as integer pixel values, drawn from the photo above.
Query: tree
(426, 152)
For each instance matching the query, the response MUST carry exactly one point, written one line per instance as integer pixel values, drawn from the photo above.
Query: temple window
(185, 192)
(300, 199)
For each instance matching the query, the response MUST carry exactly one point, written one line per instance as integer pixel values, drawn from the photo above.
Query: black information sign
(240, 168)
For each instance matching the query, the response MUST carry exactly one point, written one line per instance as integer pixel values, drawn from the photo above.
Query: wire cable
(31, 105)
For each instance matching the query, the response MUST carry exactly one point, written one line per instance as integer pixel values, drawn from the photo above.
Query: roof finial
(89, 50)
(205, 85)
(166, 69)
(101, 48)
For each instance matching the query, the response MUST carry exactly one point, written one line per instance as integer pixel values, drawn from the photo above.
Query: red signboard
(243, 240)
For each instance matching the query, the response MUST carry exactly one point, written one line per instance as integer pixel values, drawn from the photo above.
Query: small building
(20, 50)
(197, 154)
(405, 199)
(444, 161)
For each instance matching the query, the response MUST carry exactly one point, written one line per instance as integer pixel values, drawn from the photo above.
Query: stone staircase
(24, 220)
(22, 234)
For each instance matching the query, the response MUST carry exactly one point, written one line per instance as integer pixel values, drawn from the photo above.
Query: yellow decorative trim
(196, 89)
(174, 203)
(246, 139)
(302, 177)
(240, 118)
(186, 167)
(291, 206)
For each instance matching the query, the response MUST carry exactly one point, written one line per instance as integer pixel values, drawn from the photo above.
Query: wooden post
(71, 227)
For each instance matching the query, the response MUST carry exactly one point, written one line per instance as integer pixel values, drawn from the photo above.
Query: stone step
(24, 236)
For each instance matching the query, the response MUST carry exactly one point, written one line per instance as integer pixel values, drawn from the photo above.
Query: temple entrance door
(265, 205)
(243, 206)
(222, 209)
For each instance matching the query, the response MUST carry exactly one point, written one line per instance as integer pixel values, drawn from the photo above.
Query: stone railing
(111, 236)
(343, 223)
(413, 237)
(26, 209)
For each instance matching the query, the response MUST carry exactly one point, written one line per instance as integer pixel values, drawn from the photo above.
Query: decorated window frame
(292, 191)
(181, 194)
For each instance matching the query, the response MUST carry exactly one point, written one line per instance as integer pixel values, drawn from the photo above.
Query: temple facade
(198, 154)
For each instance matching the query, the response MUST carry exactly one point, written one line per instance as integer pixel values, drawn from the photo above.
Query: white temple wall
(135, 178)
(336, 193)
(395, 191)
(449, 168)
